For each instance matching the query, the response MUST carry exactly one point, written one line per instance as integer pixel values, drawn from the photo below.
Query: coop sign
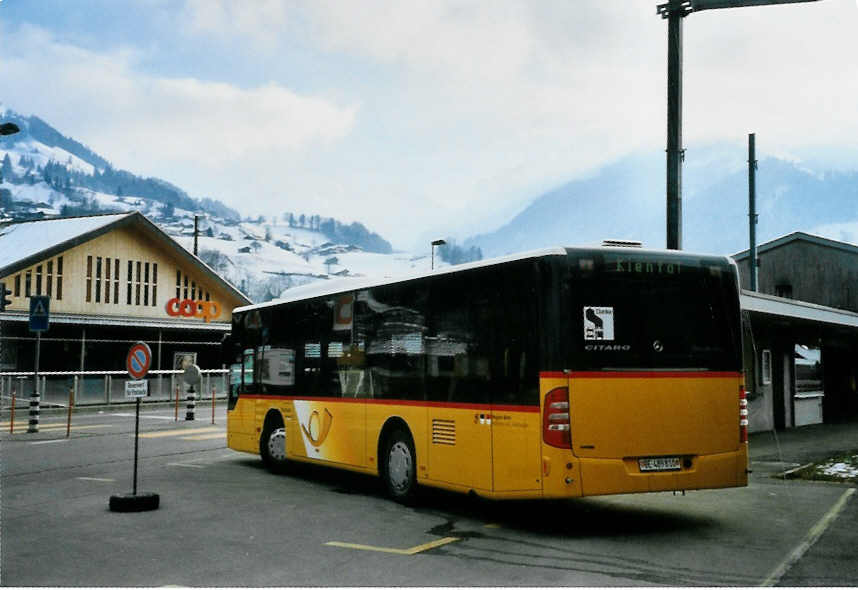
(208, 310)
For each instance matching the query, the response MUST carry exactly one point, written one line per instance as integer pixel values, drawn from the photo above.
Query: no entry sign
(138, 361)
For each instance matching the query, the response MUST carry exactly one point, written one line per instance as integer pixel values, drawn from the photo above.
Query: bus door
(515, 447)
(515, 418)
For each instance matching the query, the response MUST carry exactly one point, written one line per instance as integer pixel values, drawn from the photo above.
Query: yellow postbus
(553, 374)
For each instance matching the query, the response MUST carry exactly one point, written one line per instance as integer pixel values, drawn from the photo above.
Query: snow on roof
(19, 241)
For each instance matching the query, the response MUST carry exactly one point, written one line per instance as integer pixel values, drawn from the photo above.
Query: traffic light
(4, 293)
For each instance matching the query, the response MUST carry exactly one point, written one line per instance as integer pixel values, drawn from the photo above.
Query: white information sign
(598, 323)
(136, 388)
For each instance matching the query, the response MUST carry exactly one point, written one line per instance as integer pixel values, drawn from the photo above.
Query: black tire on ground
(140, 502)
(399, 466)
(272, 446)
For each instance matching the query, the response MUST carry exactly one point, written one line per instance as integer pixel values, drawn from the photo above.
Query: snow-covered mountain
(625, 199)
(47, 174)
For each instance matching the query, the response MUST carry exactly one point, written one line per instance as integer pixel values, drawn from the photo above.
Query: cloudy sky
(421, 118)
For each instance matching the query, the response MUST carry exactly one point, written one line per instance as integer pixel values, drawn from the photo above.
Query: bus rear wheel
(400, 467)
(272, 447)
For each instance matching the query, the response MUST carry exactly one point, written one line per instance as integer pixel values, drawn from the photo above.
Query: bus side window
(393, 323)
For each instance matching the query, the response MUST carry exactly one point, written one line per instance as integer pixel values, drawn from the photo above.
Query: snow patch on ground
(841, 469)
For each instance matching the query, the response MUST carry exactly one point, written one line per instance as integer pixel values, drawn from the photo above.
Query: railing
(104, 387)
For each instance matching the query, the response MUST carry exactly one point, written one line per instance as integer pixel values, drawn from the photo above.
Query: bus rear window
(653, 312)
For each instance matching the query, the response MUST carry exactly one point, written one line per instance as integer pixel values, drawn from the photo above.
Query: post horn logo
(317, 432)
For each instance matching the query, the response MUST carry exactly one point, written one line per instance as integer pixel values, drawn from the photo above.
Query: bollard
(213, 404)
(192, 402)
(177, 403)
(35, 406)
(71, 405)
(12, 417)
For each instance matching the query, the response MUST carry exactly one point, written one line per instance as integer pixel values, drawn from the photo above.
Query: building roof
(799, 310)
(25, 243)
(135, 322)
(798, 236)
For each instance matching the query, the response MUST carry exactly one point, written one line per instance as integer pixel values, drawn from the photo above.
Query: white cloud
(460, 110)
(261, 21)
(140, 121)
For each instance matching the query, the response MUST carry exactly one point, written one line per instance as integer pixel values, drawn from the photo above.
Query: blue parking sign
(40, 306)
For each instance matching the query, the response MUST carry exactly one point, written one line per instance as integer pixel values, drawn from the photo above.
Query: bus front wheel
(400, 465)
(272, 447)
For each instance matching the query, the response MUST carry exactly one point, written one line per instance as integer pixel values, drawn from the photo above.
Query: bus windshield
(652, 311)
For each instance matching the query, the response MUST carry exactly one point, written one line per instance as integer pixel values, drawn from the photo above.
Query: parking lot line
(179, 432)
(59, 427)
(411, 551)
(812, 536)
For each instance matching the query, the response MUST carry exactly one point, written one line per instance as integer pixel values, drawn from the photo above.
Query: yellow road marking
(221, 434)
(25, 417)
(411, 551)
(179, 432)
(492, 525)
(186, 465)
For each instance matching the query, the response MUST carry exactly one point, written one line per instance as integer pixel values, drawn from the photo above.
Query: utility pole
(196, 232)
(674, 11)
(752, 208)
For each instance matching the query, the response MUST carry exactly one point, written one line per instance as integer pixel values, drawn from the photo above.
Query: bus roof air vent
(622, 243)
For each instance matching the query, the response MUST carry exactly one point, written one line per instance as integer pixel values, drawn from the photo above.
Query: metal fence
(90, 388)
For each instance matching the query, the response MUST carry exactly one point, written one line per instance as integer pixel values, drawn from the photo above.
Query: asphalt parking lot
(225, 521)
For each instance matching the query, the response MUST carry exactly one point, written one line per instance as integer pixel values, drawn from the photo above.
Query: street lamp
(674, 11)
(436, 243)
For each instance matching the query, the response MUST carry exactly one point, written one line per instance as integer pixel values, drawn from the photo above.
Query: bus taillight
(555, 419)
(743, 415)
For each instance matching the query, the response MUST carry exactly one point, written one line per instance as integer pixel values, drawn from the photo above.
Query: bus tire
(272, 445)
(400, 466)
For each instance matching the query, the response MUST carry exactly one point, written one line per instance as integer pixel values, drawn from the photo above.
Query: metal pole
(136, 433)
(160, 375)
(71, 405)
(752, 208)
(82, 350)
(675, 153)
(34, 399)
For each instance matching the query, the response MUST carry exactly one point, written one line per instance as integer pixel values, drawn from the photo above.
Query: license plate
(659, 464)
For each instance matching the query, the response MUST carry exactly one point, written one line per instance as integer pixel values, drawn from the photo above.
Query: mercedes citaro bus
(558, 373)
